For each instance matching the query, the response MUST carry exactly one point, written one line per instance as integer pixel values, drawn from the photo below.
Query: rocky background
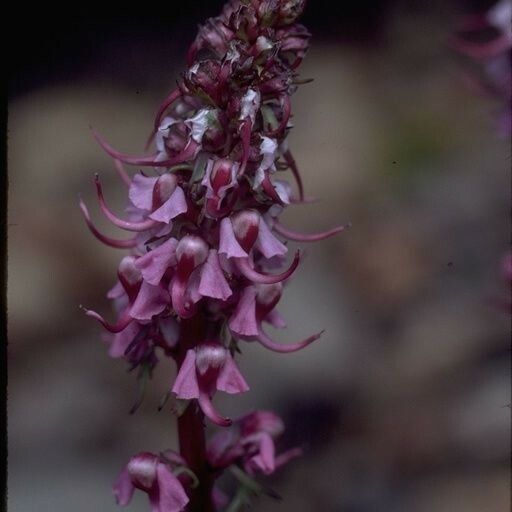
(404, 404)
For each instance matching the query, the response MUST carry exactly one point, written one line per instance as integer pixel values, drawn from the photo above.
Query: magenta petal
(265, 459)
(185, 386)
(123, 488)
(230, 380)
(122, 340)
(141, 191)
(287, 456)
(121, 171)
(243, 321)
(117, 155)
(172, 497)
(121, 323)
(116, 291)
(275, 319)
(154, 263)
(210, 412)
(111, 242)
(171, 98)
(269, 343)
(213, 283)
(151, 300)
(295, 171)
(228, 244)
(121, 223)
(305, 237)
(268, 244)
(174, 206)
(245, 268)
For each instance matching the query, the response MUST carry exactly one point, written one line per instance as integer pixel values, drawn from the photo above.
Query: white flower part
(500, 17)
(273, 212)
(194, 68)
(283, 190)
(232, 55)
(199, 124)
(250, 105)
(181, 108)
(268, 148)
(162, 133)
(262, 44)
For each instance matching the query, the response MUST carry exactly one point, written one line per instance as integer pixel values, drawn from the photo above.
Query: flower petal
(265, 459)
(275, 319)
(141, 191)
(185, 386)
(154, 263)
(174, 206)
(213, 283)
(267, 243)
(151, 300)
(123, 488)
(243, 321)
(230, 380)
(228, 244)
(122, 340)
(172, 495)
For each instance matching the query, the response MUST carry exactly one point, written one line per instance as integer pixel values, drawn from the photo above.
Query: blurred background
(404, 404)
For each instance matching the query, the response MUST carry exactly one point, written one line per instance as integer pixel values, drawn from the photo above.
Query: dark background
(404, 403)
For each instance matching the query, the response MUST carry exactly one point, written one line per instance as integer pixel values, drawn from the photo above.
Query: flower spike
(207, 264)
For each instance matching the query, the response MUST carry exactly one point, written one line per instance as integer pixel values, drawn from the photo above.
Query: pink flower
(251, 442)
(149, 474)
(206, 369)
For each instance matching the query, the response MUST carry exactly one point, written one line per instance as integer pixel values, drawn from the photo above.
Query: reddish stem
(191, 428)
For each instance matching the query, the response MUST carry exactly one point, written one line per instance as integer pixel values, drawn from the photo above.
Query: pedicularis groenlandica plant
(204, 270)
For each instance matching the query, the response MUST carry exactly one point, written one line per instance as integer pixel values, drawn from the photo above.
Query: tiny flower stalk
(208, 256)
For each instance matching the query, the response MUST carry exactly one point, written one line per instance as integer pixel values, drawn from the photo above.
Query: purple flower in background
(208, 254)
(487, 40)
(251, 442)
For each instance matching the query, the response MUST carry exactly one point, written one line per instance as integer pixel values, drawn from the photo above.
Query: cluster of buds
(208, 253)
(487, 40)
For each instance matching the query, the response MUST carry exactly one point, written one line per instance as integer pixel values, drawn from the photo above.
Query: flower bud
(142, 470)
(191, 251)
(268, 295)
(204, 77)
(262, 421)
(129, 276)
(246, 228)
(164, 187)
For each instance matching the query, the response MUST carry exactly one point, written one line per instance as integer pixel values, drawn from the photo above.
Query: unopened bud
(142, 470)
(164, 187)
(246, 224)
